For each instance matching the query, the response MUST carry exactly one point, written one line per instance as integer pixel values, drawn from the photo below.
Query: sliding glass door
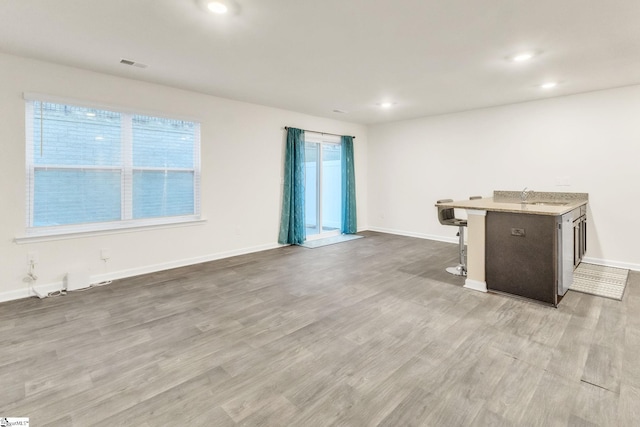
(323, 186)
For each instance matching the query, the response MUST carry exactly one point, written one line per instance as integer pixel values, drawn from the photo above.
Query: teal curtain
(292, 228)
(349, 225)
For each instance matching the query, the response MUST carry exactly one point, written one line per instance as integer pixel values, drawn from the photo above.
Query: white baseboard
(612, 263)
(25, 291)
(13, 295)
(598, 261)
(476, 285)
(414, 234)
(179, 263)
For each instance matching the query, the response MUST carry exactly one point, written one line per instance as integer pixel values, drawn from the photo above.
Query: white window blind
(96, 169)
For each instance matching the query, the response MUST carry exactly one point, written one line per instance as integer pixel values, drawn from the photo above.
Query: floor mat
(608, 282)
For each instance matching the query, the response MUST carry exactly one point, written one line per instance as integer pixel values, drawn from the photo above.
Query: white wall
(242, 162)
(591, 140)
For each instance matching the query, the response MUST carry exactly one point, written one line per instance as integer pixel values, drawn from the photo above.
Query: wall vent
(133, 63)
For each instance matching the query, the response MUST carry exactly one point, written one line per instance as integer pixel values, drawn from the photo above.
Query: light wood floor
(367, 332)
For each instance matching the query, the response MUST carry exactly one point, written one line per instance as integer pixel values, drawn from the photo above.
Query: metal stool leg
(461, 269)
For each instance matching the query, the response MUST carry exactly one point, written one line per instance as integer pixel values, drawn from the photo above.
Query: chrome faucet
(524, 195)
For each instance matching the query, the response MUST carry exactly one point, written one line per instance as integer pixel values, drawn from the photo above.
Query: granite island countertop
(538, 203)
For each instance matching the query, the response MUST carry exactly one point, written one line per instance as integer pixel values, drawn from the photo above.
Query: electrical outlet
(105, 254)
(32, 258)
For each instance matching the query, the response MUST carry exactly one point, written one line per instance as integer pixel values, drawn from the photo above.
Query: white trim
(56, 286)
(322, 138)
(320, 142)
(14, 295)
(180, 263)
(476, 212)
(47, 168)
(34, 96)
(414, 234)
(109, 229)
(197, 165)
(26, 291)
(30, 172)
(475, 285)
(598, 261)
(612, 263)
(125, 169)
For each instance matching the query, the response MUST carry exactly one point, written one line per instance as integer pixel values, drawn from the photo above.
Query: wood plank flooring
(364, 333)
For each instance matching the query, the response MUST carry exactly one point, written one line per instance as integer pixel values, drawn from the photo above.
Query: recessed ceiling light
(217, 7)
(386, 104)
(523, 56)
(549, 85)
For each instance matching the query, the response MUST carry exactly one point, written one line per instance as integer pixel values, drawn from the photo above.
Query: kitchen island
(524, 243)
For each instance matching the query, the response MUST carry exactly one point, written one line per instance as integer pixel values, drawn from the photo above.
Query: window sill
(47, 236)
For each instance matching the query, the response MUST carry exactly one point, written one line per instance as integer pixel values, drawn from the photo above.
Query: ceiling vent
(133, 63)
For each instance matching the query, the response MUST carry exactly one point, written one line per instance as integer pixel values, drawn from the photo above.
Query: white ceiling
(428, 56)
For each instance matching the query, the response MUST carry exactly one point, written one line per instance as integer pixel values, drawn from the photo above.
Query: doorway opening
(323, 185)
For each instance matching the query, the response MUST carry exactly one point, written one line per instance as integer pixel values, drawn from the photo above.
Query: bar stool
(446, 216)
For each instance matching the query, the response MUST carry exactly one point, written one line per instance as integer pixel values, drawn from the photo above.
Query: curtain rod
(321, 133)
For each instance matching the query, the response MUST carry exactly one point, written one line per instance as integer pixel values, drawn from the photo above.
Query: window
(95, 169)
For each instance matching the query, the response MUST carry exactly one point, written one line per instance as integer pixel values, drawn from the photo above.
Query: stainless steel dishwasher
(565, 251)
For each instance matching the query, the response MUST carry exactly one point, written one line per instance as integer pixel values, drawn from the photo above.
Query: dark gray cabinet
(533, 256)
(522, 255)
